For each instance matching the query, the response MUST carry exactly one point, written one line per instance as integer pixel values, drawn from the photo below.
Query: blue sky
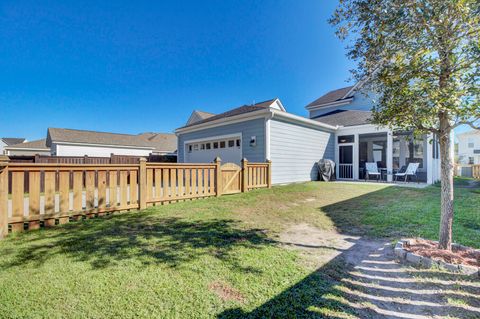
(145, 65)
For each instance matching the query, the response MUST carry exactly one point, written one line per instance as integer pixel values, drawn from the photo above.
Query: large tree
(421, 59)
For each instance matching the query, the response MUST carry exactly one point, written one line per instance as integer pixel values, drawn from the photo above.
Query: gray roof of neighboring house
(12, 140)
(236, 111)
(332, 96)
(37, 144)
(162, 142)
(345, 118)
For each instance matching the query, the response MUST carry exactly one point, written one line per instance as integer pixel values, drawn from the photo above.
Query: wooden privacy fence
(35, 195)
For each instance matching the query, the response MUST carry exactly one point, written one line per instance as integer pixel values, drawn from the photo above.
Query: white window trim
(212, 139)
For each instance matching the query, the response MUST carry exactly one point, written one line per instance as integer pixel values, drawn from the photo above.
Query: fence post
(269, 179)
(244, 175)
(142, 183)
(3, 196)
(218, 177)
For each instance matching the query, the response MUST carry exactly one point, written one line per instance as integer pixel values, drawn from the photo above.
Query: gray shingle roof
(204, 115)
(37, 144)
(345, 118)
(332, 96)
(198, 116)
(162, 142)
(236, 111)
(12, 140)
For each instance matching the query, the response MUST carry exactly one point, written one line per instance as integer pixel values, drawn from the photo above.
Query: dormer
(197, 116)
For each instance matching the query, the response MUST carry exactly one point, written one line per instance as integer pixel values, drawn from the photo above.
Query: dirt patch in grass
(458, 255)
(225, 291)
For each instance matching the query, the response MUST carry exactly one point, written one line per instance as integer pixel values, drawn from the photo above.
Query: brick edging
(405, 256)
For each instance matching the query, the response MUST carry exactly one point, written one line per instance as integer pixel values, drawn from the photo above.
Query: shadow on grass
(138, 238)
(375, 287)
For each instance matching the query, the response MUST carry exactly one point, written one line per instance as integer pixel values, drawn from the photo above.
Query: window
(202, 146)
(208, 146)
(408, 149)
(195, 147)
(238, 143)
(471, 143)
(471, 160)
(346, 139)
(231, 143)
(222, 144)
(190, 148)
(215, 144)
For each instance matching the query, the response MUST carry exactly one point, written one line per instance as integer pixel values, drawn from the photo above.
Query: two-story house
(469, 147)
(338, 127)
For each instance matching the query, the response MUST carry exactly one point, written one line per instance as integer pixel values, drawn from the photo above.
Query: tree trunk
(446, 220)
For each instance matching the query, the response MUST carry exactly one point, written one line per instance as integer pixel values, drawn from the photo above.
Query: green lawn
(204, 258)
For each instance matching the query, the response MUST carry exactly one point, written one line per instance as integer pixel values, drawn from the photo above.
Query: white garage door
(228, 149)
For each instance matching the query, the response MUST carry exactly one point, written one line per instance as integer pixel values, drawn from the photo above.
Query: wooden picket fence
(476, 171)
(36, 195)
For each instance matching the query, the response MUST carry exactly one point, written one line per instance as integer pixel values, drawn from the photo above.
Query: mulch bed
(458, 255)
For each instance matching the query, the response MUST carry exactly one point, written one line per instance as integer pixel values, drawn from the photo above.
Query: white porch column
(403, 151)
(337, 157)
(429, 161)
(389, 155)
(356, 155)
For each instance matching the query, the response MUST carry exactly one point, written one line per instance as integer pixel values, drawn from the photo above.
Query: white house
(469, 147)
(70, 142)
(28, 148)
(7, 141)
(338, 127)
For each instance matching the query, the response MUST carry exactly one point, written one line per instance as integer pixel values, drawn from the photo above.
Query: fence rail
(113, 159)
(35, 195)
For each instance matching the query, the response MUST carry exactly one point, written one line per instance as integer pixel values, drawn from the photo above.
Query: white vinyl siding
(295, 151)
(100, 151)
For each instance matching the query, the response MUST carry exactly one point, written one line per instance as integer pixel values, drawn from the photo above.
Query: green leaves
(421, 57)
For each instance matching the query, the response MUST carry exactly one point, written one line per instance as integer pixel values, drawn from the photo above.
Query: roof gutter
(302, 120)
(224, 121)
(267, 112)
(25, 149)
(103, 145)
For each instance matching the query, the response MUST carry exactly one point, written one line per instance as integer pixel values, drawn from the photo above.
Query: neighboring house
(7, 141)
(469, 147)
(70, 142)
(338, 128)
(28, 148)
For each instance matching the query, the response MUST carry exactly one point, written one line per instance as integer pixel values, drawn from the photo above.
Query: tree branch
(472, 124)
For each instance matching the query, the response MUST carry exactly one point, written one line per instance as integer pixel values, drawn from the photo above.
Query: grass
(213, 257)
